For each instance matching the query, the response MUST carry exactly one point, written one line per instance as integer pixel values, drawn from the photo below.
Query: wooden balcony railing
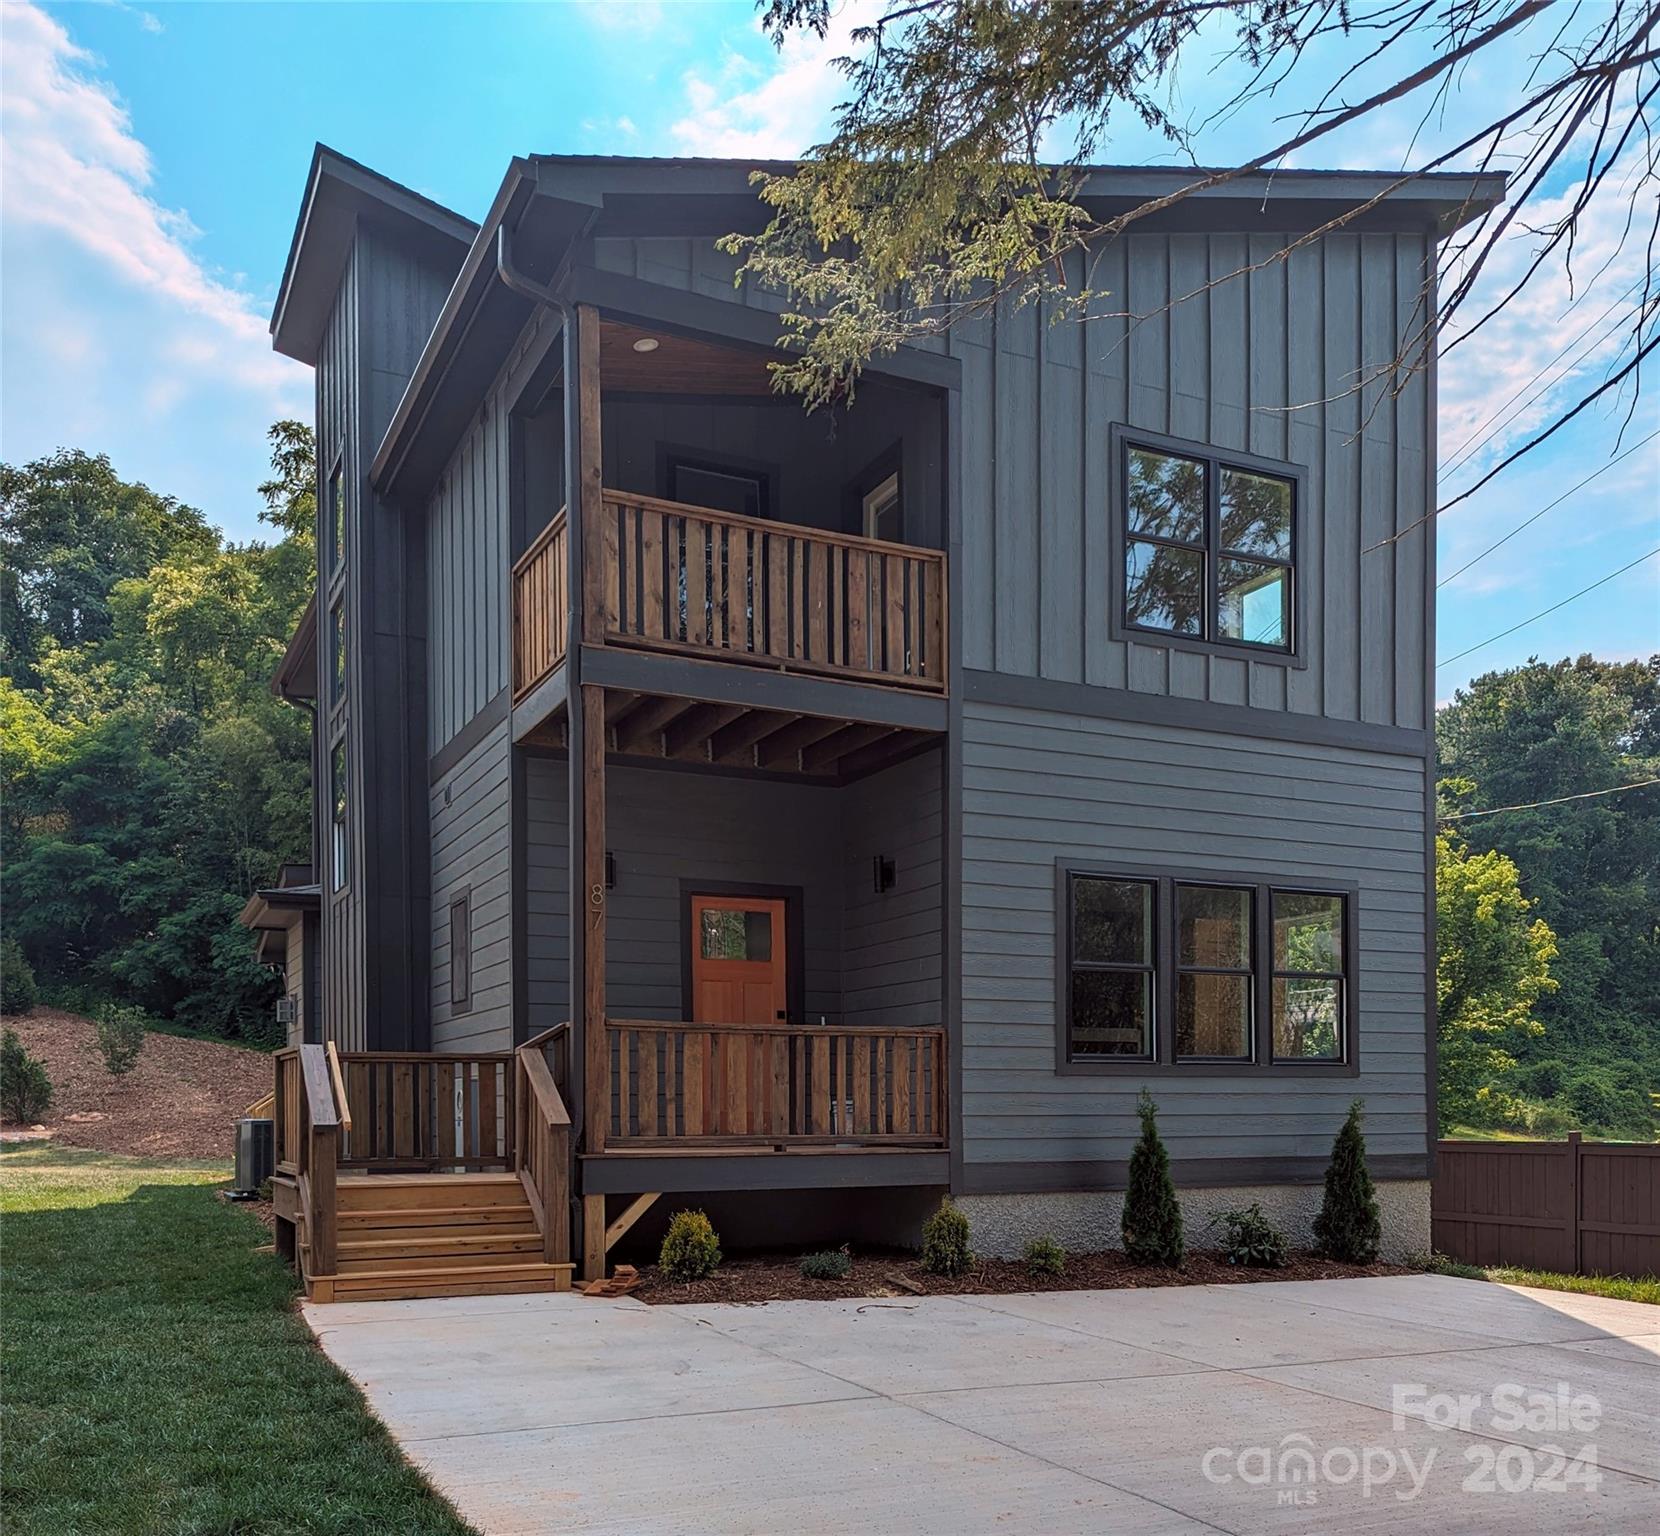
(421, 1110)
(697, 582)
(541, 607)
(694, 581)
(690, 1085)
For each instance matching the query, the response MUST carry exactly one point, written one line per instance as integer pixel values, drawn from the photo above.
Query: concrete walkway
(1267, 1407)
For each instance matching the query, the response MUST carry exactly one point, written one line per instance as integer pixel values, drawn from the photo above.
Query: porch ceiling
(676, 365)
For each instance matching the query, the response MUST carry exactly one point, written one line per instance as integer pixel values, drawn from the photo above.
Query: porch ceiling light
(647, 344)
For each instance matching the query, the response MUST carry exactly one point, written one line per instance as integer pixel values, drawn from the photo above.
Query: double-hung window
(1181, 972)
(1209, 545)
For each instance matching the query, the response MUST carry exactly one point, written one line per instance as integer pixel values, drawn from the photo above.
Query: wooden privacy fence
(1574, 1206)
(541, 607)
(420, 1110)
(740, 1084)
(690, 580)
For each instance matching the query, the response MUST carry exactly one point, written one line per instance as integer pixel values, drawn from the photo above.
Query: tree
(953, 179)
(1591, 866)
(1151, 1223)
(1347, 1226)
(1492, 965)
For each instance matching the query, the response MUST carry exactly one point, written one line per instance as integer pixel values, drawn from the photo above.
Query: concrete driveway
(1416, 1403)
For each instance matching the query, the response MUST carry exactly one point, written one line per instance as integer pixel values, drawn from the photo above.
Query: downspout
(544, 297)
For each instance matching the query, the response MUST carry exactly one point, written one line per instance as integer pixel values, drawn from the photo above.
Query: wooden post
(324, 1151)
(590, 477)
(596, 1056)
(593, 1237)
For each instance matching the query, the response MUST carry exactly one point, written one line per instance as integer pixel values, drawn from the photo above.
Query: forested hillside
(150, 778)
(1590, 868)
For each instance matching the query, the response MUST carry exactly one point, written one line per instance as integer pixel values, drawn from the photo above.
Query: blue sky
(155, 155)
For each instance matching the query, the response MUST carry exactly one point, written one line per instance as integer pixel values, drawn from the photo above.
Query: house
(806, 815)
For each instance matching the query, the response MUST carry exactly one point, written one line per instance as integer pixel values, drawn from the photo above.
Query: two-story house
(807, 815)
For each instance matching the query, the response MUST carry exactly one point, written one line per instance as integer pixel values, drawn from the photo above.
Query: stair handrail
(319, 1151)
(543, 1151)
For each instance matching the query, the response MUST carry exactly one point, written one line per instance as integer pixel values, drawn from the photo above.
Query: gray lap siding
(1038, 787)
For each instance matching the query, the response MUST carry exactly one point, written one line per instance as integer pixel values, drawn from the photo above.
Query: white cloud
(744, 110)
(118, 335)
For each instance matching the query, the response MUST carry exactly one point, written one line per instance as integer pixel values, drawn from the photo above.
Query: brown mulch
(775, 1277)
(180, 1101)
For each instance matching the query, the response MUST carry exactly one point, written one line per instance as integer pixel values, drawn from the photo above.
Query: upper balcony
(691, 581)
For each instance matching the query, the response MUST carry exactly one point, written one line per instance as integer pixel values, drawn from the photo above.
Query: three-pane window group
(1140, 949)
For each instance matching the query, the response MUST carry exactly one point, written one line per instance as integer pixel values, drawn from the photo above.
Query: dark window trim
(890, 461)
(334, 565)
(1163, 1061)
(1122, 438)
(673, 456)
(795, 960)
(342, 819)
(1254, 956)
(461, 920)
(336, 646)
(1068, 911)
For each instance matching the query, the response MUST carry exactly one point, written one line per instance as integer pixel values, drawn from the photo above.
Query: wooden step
(440, 1250)
(436, 1218)
(450, 1280)
(449, 1191)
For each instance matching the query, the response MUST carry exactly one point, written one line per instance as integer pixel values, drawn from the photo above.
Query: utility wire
(1543, 510)
(1552, 609)
(1533, 805)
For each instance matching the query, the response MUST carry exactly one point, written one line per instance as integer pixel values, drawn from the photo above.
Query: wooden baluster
(779, 1049)
(673, 1114)
(444, 1109)
(696, 534)
(653, 620)
(469, 1110)
(902, 1100)
(487, 1146)
(734, 1117)
(693, 1086)
(893, 659)
(817, 631)
(861, 1086)
(777, 588)
(933, 596)
(625, 1064)
(821, 1085)
(403, 1111)
(647, 1091)
(861, 626)
(720, 556)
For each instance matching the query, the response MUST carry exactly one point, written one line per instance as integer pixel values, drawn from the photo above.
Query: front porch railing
(696, 582)
(689, 1085)
(419, 1110)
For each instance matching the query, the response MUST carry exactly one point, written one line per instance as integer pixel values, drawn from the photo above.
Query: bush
(25, 1089)
(120, 1037)
(1152, 1220)
(1250, 1239)
(1044, 1256)
(17, 981)
(1347, 1228)
(945, 1249)
(834, 1264)
(690, 1251)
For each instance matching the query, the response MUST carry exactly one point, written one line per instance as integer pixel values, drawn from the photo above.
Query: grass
(1614, 1287)
(157, 1378)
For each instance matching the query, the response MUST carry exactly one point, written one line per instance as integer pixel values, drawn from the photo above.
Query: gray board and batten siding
(375, 927)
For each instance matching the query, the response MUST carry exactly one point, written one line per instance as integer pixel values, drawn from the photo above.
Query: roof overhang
(338, 193)
(296, 675)
(280, 907)
(548, 203)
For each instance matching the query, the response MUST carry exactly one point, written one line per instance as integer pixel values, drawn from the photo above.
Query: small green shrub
(25, 1089)
(1250, 1239)
(1152, 1219)
(833, 1264)
(1044, 1256)
(266, 1190)
(690, 1251)
(120, 1037)
(945, 1249)
(1348, 1228)
(17, 981)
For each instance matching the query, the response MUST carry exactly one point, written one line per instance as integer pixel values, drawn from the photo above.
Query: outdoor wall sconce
(885, 874)
(610, 870)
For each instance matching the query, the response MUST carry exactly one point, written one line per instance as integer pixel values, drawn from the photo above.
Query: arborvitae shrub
(690, 1251)
(1044, 1256)
(17, 980)
(1250, 1239)
(1347, 1228)
(120, 1037)
(1152, 1220)
(945, 1248)
(25, 1089)
(834, 1264)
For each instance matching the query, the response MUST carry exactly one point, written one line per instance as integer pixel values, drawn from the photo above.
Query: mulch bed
(775, 1277)
(180, 1101)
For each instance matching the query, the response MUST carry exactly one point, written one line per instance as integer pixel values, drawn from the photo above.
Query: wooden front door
(739, 969)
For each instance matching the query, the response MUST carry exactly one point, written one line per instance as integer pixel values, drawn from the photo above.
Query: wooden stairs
(434, 1234)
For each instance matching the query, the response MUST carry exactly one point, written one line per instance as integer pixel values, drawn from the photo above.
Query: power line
(1543, 510)
(1533, 805)
(1552, 609)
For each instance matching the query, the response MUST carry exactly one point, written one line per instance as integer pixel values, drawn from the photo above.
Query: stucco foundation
(1088, 1221)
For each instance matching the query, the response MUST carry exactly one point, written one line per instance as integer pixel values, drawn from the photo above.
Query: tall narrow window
(337, 518)
(1213, 972)
(1209, 546)
(1309, 976)
(337, 651)
(461, 953)
(1111, 967)
(339, 870)
(884, 517)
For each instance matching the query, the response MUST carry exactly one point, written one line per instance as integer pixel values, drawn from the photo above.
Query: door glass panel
(735, 935)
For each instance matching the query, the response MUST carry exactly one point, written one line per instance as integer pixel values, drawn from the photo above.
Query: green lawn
(1613, 1287)
(157, 1378)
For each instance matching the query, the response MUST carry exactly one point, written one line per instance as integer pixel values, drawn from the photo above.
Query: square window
(1253, 602)
(1167, 496)
(1256, 514)
(1213, 1015)
(1308, 932)
(1164, 587)
(1112, 921)
(1214, 927)
(1308, 1019)
(1112, 1013)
